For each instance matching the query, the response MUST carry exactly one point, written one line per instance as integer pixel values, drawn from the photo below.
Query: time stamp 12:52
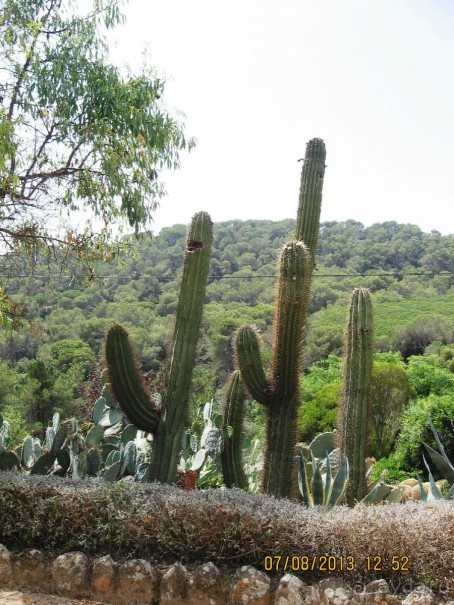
(335, 563)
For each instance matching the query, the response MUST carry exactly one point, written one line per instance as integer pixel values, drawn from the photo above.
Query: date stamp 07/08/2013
(329, 563)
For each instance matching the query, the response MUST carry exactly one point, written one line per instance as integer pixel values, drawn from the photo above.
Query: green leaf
(303, 482)
(442, 463)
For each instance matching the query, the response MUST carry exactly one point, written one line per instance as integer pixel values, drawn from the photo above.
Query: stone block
(207, 586)
(6, 568)
(135, 583)
(70, 575)
(32, 569)
(252, 587)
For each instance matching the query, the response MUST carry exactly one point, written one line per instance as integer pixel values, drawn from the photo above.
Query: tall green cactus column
(353, 411)
(175, 404)
(310, 197)
(280, 394)
(167, 423)
(233, 413)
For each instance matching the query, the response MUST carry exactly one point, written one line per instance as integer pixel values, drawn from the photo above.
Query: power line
(213, 277)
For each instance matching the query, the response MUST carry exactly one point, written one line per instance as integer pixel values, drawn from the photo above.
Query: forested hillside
(410, 274)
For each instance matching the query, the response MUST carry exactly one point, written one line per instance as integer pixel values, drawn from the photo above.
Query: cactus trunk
(233, 413)
(168, 423)
(353, 411)
(280, 394)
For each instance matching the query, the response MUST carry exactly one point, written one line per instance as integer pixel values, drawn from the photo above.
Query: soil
(16, 597)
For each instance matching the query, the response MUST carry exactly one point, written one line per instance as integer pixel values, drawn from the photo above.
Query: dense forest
(410, 274)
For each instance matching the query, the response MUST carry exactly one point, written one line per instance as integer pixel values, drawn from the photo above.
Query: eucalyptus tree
(79, 137)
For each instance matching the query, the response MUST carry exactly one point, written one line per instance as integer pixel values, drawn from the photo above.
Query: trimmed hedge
(229, 527)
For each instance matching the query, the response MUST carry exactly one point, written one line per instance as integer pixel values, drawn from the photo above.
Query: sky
(257, 79)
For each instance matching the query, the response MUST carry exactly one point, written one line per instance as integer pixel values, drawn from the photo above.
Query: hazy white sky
(258, 78)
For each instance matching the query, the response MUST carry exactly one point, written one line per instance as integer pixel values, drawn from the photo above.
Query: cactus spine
(353, 411)
(233, 413)
(280, 394)
(168, 422)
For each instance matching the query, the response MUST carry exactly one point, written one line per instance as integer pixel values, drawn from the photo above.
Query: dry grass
(229, 527)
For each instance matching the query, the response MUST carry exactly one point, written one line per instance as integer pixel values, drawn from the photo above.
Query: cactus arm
(310, 197)
(250, 364)
(353, 410)
(233, 412)
(183, 349)
(126, 381)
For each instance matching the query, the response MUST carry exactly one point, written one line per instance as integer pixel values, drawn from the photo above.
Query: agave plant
(443, 464)
(326, 489)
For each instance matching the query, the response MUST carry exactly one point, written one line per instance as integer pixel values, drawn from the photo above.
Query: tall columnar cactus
(233, 413)
(280, 394)
(353, 411)
(310, 198)
(167, 423)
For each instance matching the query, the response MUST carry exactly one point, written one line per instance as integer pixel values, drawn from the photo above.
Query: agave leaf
(340, 483)
(450, 495)
(378, 481)
(442, 463)
(303, 482)
(394, 496)
(318, 493)
(377, 494)
(423, 495)
(328, 479)
(437, 439)
(433, 486)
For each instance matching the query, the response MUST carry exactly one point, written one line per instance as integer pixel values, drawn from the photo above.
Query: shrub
(415, 429)
(320, 413)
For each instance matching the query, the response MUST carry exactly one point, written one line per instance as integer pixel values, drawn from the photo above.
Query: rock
(103, 578)
(32, 569)
(70, 575)
(334, 591)
(174, 585)
(6, 569)
(377, 586)
(252, 587)
(409, 482)
(207, 586)
(421, 595)
(135, 584)
(289, 591)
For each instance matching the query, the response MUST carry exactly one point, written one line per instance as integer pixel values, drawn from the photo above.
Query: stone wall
(137, 582)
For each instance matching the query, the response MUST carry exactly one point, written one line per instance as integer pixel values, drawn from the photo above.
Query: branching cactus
(167, 422)
(353, 410)
(280, 393)
(233, 416)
